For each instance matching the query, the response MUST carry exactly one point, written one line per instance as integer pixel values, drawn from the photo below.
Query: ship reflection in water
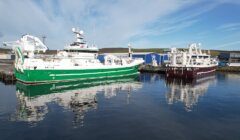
(33, 100)
(188, 92)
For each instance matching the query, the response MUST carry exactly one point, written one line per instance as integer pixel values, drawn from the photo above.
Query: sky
(116, 23)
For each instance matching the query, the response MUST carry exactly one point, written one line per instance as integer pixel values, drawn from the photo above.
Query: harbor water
(147, 107)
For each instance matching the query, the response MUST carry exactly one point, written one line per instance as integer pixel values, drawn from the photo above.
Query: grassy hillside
(113, 50)
(125, 50)
(156, 50)
(4, 50)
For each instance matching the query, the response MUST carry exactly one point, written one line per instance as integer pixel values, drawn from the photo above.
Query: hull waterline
(53, 76)
(189, 72)
(61, 87)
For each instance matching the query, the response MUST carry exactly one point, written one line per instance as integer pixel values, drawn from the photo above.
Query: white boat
(190, 63)
(77, 61)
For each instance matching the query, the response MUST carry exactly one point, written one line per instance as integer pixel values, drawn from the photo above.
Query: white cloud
(107, 23)
(229, 27)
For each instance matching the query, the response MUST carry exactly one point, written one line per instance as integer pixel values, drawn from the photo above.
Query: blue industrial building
(147, 57)
(229, 58)
(101, 57)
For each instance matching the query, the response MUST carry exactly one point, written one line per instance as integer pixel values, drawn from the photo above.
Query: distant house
(6, 54)
(229, 58)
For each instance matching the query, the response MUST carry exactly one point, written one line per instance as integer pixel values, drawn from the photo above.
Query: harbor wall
(7, 73)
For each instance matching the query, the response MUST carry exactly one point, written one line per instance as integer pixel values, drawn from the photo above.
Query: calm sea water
(148, 108)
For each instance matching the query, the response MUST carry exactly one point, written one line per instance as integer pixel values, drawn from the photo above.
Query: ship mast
(79, 36)
(130, 51)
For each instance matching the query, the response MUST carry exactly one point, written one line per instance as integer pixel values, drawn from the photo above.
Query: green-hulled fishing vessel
(77, 62)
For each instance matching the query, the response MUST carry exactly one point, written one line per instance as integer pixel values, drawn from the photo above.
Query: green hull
(52, 76)
(61, 87)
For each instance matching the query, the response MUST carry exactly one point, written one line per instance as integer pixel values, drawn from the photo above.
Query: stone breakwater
(152, 69)
(228, 69)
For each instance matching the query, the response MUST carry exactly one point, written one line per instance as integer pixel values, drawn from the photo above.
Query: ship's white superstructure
(193, 57)
(190, 63)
